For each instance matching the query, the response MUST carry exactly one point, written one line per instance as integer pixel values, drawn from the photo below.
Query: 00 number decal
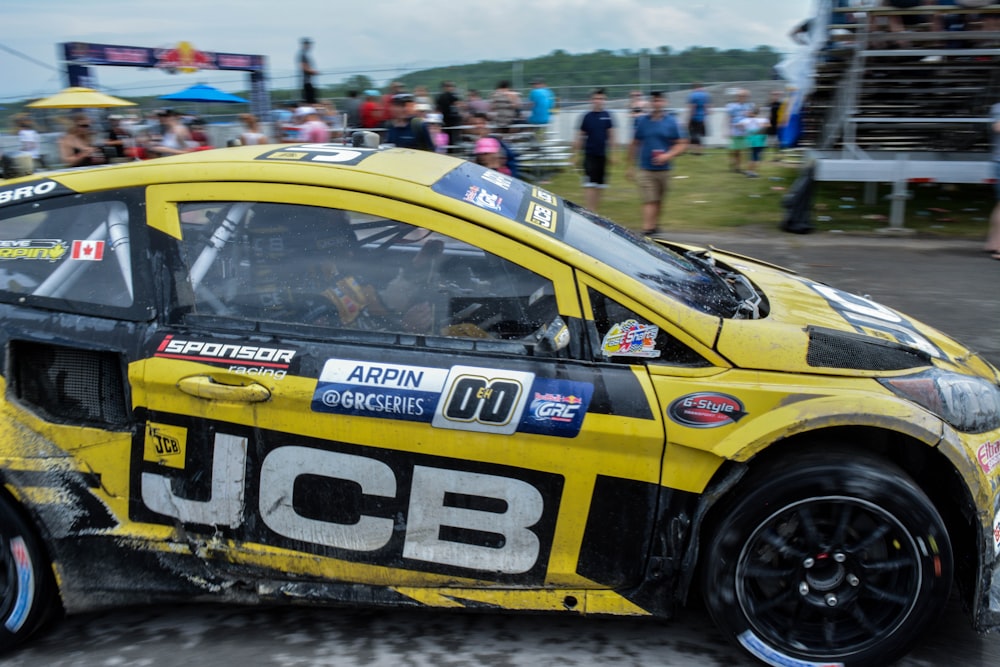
(477, 399)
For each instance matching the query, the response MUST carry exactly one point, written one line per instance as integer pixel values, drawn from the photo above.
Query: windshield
(681, 277)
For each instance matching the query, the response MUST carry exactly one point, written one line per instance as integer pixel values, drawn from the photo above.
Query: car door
(408, 404)
(685, 375)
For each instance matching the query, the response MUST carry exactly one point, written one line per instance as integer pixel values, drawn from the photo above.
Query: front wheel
(27, 593)
(837, 558)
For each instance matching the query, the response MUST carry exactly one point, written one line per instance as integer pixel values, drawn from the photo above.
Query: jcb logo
(475, 401)
(165, 443)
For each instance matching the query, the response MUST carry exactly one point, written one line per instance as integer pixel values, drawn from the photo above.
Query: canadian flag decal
(92, 250)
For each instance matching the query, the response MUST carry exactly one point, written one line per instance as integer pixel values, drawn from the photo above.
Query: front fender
(810, 413)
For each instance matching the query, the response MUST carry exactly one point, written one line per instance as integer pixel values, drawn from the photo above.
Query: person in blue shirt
(596, 134)
(541, 100)
(406, 129)
(698, 102)
(658, 140)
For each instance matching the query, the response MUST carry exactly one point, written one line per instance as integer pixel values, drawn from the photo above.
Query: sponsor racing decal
(88, 250)
(873, 318)
(465, 398)
(25, 584)
(32, 191)
(752, 643)
(706, 410)
(41, 249)
(323, 153)
(245, 359)
(631, 339)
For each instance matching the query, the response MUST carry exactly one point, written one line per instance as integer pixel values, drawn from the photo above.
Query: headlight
(970, 404)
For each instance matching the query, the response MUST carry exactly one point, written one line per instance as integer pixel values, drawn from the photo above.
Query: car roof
(323, 164)
(398, 173)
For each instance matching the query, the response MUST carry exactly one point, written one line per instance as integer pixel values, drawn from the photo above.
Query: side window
(622, 334)
(315, 266)
(78, 252)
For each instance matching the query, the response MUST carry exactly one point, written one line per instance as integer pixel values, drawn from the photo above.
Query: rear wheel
(833, 559)
(27, 592)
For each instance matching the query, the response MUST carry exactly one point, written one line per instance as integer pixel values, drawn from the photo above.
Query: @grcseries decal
(467, 398)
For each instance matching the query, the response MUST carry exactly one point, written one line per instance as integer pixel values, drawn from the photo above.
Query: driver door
(407, 404)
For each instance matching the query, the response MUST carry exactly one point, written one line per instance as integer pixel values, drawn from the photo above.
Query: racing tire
(834, 558)
(27, 590)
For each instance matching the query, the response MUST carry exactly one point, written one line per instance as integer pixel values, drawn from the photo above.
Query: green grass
(705, 194)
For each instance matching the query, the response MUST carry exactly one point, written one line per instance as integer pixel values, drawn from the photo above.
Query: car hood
(811, 327)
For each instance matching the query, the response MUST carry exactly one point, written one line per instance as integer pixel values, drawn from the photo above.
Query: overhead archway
(81, 57)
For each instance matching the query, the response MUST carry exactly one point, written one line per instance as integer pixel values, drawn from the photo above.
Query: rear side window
(77, 252)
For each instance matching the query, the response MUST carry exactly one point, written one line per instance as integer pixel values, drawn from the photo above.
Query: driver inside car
(407, 303)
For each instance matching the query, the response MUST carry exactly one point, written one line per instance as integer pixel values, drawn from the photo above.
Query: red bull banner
(182, 58)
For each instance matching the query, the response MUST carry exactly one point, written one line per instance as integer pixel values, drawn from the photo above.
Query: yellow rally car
(323, 373)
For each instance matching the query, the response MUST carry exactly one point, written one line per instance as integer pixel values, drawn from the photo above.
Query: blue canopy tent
(202, 92)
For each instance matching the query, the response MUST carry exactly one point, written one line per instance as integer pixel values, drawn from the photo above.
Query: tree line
(564, 71)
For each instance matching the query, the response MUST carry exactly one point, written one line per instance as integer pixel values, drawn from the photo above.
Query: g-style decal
(706, 410)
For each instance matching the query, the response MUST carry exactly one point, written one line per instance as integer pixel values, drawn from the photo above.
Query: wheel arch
(933, 472)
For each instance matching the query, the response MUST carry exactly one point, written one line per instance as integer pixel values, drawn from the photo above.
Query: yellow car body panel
(185, 415)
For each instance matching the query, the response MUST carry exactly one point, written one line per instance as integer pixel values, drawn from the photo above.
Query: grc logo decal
(36, 249)
(706, 410)
(243, 359)
(379, 390)
(556, 407)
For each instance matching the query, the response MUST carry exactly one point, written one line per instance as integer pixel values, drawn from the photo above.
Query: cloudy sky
(379, 38)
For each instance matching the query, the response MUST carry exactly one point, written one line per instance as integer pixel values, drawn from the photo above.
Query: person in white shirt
(30, 141)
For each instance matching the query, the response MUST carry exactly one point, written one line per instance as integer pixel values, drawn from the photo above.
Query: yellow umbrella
(79, 98)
